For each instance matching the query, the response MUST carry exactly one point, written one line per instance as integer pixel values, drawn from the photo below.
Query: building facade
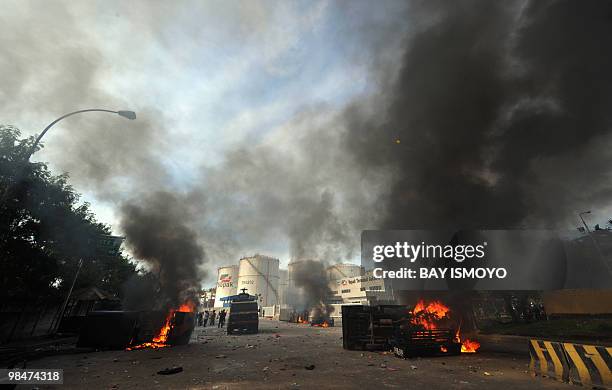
(364, 290)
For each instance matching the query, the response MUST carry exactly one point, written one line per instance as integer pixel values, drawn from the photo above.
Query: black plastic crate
(370, 327)
(433, 342)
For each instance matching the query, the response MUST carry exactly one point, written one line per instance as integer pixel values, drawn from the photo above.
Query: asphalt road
(278, 357)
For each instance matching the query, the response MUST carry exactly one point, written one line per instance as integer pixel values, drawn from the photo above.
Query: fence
(21, 320)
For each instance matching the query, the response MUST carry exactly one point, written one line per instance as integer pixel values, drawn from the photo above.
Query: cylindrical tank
(341, 271)
(291, 270)
(259, 275)
(227, 283)
(283, 285)
(295, 294)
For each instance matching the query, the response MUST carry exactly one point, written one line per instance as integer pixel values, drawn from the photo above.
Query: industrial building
(363, 289)
(343, 270)
(207, 297)
(276, 288)
(258, 274)
(283, 286)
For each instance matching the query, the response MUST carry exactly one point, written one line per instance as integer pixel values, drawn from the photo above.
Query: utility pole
(76, 275)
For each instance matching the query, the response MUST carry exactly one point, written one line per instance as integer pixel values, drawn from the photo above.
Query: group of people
(207, 318)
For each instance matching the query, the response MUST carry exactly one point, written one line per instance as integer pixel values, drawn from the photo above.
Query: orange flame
(469, 346)
(187, 307)
(429, 314)
(159, 341)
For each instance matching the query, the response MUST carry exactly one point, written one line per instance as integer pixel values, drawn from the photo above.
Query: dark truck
(388, 327)
(243, 315)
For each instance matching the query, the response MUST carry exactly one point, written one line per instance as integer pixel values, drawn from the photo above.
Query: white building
(364, 290)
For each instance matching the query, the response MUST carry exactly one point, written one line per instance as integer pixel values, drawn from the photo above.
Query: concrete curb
(580, 364)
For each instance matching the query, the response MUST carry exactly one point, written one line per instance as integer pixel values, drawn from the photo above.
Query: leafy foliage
(45, 230)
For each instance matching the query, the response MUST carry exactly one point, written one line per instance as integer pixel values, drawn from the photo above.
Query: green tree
(45, 230)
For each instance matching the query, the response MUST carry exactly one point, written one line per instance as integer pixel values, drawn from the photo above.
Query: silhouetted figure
(212, 318)
(206, 316)
(222, 315)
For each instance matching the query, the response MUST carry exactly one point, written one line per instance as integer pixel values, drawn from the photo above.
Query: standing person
(212, 318)
(206, 315)
(199, 318)
(222, 318)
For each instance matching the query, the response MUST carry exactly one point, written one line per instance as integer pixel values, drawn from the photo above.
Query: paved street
(278, 358)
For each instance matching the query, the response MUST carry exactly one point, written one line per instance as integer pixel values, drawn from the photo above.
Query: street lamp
(131, 115)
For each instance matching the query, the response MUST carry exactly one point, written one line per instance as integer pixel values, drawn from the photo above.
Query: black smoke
(157, 232)
(310, 277)
(482, 114)
(495, 116)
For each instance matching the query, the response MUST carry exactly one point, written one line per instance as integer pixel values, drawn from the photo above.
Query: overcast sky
(215, 75)
(274, 124)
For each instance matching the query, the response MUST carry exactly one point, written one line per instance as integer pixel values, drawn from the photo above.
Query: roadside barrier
(589, 364)
(580, 364)
(548, 359)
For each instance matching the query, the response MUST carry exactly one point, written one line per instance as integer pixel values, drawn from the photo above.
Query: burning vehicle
(425, 329)
(176, 330)
(133, 330)
(430, 330)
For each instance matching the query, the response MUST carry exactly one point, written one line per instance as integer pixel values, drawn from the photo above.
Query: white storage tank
(227, 283)
(283, 285)
(259, 275)
(295, 295)
(342, 271)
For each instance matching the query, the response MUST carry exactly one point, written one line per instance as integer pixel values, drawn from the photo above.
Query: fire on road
(284, 356)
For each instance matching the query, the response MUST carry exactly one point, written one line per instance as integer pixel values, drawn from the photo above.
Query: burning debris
(310, 277)
(323, 323)
(431, 315)
(158, 232)
(426, 329)
(177, 323)
(131, 330)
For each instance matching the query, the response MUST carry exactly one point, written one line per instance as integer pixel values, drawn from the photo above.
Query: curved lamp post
(131, 115)
(126, 114)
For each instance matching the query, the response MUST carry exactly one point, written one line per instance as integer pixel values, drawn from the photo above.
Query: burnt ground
(277, 358)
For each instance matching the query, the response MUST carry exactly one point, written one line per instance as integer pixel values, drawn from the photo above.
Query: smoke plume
(157, 233)
(310, 277)
(474, 114)
(496, 114)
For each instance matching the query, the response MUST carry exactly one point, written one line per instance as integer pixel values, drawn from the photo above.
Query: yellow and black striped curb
(548, 359)
(581, 364)
(590, 365)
